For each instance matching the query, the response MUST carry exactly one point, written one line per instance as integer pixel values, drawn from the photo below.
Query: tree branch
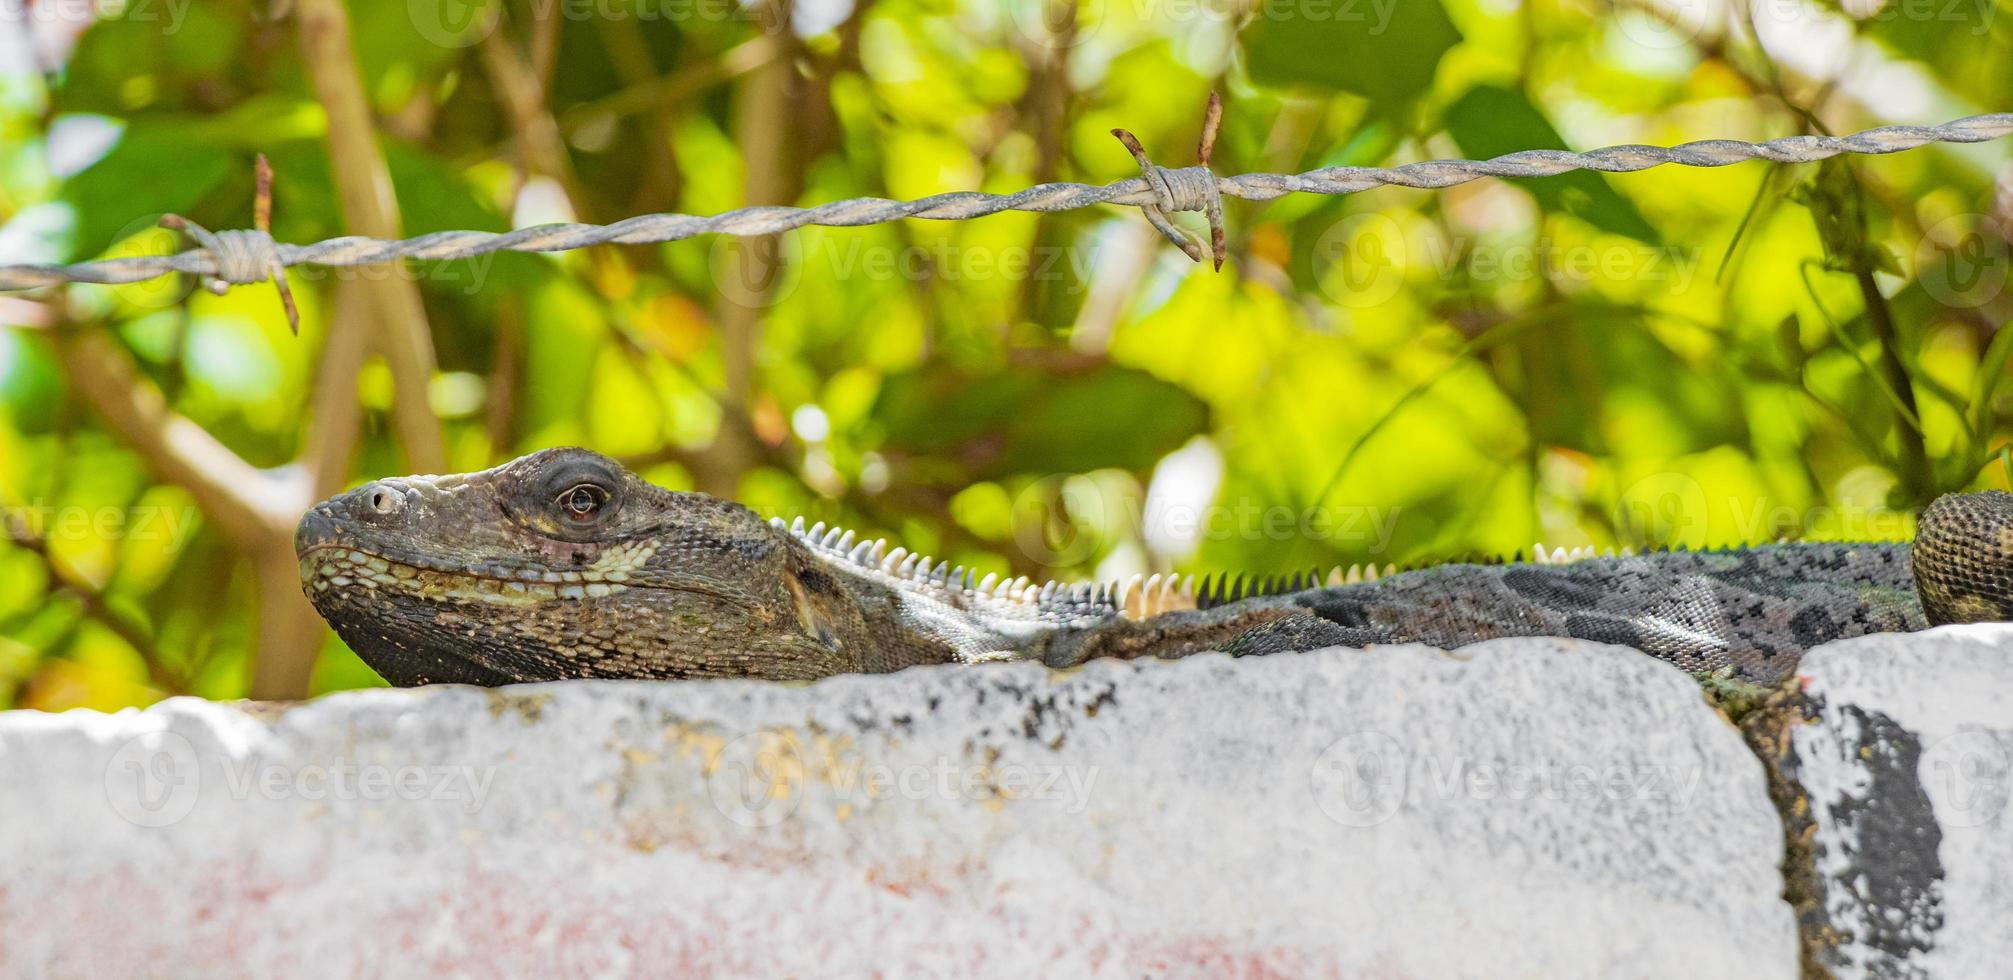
(761, 124)
(363, 183)
(255, 508)
(246, 503)
(334, 422)
(520, 89)
(659, 94)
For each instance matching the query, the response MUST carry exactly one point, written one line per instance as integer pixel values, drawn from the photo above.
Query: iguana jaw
(477, 579)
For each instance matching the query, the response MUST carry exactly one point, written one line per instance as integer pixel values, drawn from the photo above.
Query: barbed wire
(245, 256)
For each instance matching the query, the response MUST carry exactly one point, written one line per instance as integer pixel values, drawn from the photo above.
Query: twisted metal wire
(251, 256)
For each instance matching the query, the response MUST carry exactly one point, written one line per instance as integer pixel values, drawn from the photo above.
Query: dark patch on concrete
(529, 707)
(1040, 711)
(1894, 875)
(1048, 711)
(1107, 696)
(1886, 903)
(865, 720)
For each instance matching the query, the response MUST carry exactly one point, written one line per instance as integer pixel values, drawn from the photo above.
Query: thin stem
(363, 181)
(91, 598)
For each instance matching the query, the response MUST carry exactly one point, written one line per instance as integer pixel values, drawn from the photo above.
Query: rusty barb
(240, 257)
(1188, 189)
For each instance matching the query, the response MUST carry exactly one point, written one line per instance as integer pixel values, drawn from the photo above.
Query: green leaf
(155, 56)
(152, 171)
(31, 389)
(405, 40)
(1036, 422)
(1490, 120)
(1385, 52)
(1369, 145)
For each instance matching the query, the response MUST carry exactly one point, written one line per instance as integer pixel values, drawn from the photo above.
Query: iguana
(563, 564)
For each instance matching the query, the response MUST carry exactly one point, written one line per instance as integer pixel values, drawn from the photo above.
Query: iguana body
(563, 565)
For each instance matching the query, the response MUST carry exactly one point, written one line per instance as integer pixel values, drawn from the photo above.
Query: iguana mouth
(321, 535)
(331, 555)
(334, 567)
(327, 567)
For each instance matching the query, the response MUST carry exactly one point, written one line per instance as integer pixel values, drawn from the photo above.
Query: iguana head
(565, 564)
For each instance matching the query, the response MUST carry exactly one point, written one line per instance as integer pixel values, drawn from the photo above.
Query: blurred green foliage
(1682, 356)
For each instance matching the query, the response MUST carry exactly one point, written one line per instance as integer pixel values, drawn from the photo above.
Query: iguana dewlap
(562, 564)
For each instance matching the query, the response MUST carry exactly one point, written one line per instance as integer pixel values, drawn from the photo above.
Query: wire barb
(239, 257)
(1190, 188)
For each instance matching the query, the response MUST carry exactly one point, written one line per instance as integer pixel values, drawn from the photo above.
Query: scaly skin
(563, 564)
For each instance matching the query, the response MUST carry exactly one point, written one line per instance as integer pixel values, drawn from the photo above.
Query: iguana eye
(582, 501)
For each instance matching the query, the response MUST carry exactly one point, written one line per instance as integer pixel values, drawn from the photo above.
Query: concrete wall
(1520, 807)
